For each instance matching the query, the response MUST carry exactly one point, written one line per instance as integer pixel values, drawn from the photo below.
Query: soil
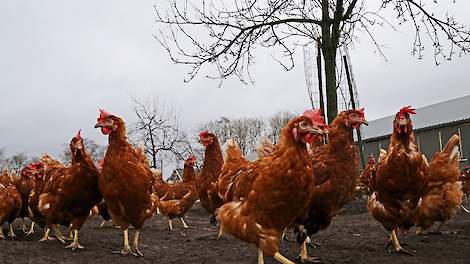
(353, 237)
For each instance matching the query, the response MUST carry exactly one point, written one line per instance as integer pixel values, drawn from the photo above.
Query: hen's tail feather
(444, 192)
(229, 146)
(382, 154)
(156, 172)
(451, 144)
(266, 148)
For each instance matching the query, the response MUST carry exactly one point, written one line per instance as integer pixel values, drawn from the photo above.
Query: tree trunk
(329, 56)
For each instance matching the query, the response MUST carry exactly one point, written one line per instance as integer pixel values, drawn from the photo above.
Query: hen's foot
(403, 251)
(74, 246)
(465, 209)
(308, 260)
(138, 253)
(46, 238)
(124, 251)
(11, 233)
(314, 244)
(31, 230)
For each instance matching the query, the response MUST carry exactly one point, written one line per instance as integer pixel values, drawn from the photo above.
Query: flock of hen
(302, 183)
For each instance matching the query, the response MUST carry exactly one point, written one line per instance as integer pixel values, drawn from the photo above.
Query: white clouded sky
(60, 61)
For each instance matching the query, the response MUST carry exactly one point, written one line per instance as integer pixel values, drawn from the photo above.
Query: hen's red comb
(361, 112)
(203, 134)
(407, 110)
(315, 116)
(192, 157)
(78, 136)
(36, 165)
(103, 115)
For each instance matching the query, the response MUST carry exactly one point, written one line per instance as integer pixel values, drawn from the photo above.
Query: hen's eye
(303, 125)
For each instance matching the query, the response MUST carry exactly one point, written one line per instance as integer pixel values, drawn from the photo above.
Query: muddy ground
(354, 237)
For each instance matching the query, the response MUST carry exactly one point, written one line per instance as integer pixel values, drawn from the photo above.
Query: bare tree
(95, 150)
(158, 129)
(245, 131)
(3, 159)
(17, 161)
(276, 123)
(225, 33)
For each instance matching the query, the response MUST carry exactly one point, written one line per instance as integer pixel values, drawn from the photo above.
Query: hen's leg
(170, 224)
(58, 233)
(465, 209)
(11, 233)
(136, 243)
(31, 230)
(221, 232)
(421, 231)
(283, 236)
(185, 226)
(104, 222)
(71, 232)
(260, 257)
(303, 256)
(280, 258)
(23, 226)
(75, 244)
(396, 244)
(126, 250)
(1, 233)
(46, 236)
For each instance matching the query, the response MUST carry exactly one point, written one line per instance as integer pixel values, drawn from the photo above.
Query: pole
(320, 81)
(353, 104)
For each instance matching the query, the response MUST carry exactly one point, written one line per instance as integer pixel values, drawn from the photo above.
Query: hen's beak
(317, 130)
(364, 121)
(99, 125)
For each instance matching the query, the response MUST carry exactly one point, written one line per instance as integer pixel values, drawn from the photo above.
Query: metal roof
(432, 115)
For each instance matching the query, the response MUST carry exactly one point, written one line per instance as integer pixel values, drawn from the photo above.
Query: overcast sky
(60, 61)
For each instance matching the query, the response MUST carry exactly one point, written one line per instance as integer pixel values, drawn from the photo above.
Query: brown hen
(336, 168)
(179, 197)
(126, 181)
(400, 180)
(444, 194)
(206, 182)
(270, 193)
(25, 185)
(69, 193)
(10, 203)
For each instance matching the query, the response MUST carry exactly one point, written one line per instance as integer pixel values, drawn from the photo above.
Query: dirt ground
(354, 237)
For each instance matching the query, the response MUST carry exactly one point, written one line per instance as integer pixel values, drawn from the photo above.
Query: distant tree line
(16, 161)
(157, 129)
(247, 132)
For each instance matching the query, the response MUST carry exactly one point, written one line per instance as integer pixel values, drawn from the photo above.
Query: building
(433, 126)
(176, 176)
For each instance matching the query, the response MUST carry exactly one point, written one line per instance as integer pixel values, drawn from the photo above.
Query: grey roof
(432, 115)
